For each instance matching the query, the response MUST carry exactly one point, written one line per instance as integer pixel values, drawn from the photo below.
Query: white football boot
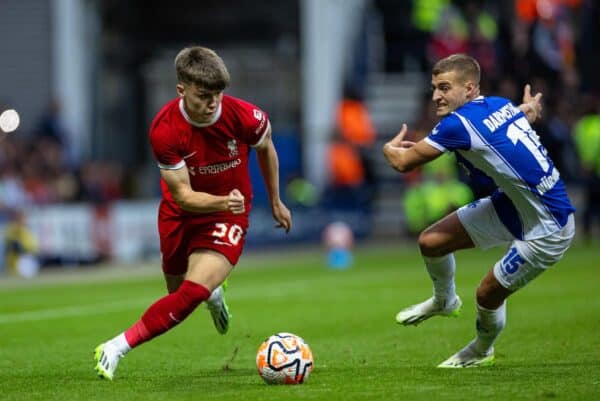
(107, 358)
(468, 357)
(218, 309)
(415, 314)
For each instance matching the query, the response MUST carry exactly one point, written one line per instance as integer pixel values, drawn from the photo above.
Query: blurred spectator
(427, 202)
(516, 60)
(346, 188)
(50, 126)
(587, 138)
(349, 154)
(20, 247)
(483, 33)
(588, 62)
(353, 120)
(451, 35)
(553, 41)
(301, 192)
(508, 88)
(345, 165)
(435, 192)
(425, 16)
(558, 139)
(12, 191)
(101, 181)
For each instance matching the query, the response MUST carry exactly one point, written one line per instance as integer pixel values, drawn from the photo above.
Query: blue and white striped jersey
(494, 136)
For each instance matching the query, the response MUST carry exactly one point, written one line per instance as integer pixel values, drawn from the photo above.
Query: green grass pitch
(550, 349)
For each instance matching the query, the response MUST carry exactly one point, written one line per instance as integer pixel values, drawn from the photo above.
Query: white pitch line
(101, 308)
(70, 311)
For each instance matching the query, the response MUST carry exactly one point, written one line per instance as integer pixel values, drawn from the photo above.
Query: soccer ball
(284, 358)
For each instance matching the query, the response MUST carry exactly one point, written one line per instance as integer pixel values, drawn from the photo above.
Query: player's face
(449, 92)
(200, 104)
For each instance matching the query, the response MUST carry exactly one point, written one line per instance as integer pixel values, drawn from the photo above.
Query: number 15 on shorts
(227, 234)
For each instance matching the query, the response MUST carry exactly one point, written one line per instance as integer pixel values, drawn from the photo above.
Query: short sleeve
(449, 135)
(255, 123)
(164, 149)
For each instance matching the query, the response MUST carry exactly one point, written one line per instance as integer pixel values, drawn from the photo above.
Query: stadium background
(337, 78)
(88, 76)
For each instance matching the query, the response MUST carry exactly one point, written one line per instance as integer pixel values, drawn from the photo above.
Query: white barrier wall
(126, 231)
(123, 231)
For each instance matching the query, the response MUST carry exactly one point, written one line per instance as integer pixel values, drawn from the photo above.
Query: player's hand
(532, 105)
(282, 215)
(394, 149)
(398, 141)
(235, 202)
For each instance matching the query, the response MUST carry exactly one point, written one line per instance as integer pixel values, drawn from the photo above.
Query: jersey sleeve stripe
(263, 136)
(172, 166)
(435, 145)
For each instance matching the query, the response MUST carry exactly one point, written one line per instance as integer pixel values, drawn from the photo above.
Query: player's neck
(195, 123)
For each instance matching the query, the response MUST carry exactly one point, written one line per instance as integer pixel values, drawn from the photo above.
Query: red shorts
(180, 236)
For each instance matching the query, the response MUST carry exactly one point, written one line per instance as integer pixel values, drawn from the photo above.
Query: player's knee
(429, 244)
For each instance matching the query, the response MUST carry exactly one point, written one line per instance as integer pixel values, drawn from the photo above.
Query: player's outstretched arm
(532, 105)
(406, 155)
(200, 202)
(269, 167)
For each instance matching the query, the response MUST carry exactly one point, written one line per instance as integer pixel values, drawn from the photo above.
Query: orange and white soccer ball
(284, 358)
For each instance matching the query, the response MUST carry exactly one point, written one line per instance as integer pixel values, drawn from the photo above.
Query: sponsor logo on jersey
(214, 168)
(547, 182)
(258, 114)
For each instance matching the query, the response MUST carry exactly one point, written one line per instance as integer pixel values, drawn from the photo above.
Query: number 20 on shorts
(227, 234)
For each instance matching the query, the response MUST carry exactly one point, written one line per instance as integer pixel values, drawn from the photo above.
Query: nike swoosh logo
(190, 155)
(173, 318)
(222, 243)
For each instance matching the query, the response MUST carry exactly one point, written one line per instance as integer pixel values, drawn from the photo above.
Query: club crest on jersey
(258, 114)
(233, 149)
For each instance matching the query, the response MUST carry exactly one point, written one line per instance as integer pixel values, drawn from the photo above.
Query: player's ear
(471, 89)
(180, 89)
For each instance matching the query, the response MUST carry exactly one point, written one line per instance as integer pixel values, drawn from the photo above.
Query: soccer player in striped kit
(530, 211)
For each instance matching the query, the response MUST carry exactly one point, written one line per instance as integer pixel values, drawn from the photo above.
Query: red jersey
(215, 153)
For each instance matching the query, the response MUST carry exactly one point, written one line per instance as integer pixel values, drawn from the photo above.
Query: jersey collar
(197, 124)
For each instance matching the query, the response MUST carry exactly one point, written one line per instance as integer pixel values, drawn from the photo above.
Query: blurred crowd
(37, 168)
(547, 43)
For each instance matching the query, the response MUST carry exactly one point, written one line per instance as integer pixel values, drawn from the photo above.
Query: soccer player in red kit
(201, 141)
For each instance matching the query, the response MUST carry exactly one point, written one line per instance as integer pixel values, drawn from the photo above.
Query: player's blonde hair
(203, 67)
(466, 67)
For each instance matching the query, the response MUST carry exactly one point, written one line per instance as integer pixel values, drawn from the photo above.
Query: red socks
(166, 313)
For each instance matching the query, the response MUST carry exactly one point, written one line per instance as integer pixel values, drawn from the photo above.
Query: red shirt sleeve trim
(263, 136)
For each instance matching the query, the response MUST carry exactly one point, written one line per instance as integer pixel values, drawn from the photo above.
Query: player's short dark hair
(203, 67)
(466, 67)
